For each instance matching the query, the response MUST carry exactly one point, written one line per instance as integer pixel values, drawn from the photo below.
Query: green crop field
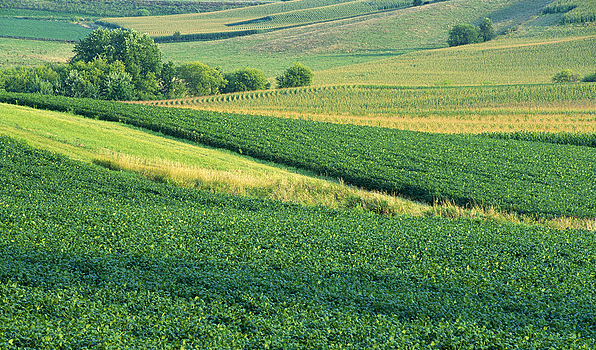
(93, 258)
(15, 52)
(478, 109)
(414, 196)
(575, 11)
(42, 29)
(532, 178)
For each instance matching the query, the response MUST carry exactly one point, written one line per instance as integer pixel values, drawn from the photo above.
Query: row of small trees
(124, 65)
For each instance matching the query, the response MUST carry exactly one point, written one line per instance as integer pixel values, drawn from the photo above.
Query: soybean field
(97, 258)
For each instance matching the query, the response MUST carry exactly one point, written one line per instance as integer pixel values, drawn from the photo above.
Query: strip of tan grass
(314, 192)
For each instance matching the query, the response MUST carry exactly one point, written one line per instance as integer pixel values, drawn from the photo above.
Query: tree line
(125, 65)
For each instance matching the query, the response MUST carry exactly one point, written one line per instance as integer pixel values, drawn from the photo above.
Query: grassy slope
(120, 147)
(502, 61)
(99, 259)
(346, 42)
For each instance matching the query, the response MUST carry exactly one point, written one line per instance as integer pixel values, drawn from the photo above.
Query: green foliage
(171, 86)
(577, 139)
(140, 55)
(464, 34)
(541, 179)
(295, 76)
(99, 259)
(575, 11)
(590, 78)
(487, 30)
(566, 76)
(200, 79)
(246, 79)
(42, 79)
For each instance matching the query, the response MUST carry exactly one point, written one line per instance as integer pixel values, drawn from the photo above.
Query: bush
(463, 34)
(295, 76)
(566, 76)
(246, 79)
(201, 79)
(487, 30)
(590, 78)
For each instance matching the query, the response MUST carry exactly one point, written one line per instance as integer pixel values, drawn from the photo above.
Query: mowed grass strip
(533, 178)
(533, 108)
(92, 258)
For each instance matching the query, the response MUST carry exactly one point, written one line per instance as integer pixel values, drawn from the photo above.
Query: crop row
(477, 109)
(99, 259)
(577, 139)
(527, 177)
(391, 100)
(575, 11)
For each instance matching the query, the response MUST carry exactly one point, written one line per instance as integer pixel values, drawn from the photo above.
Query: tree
(247, 79)
(566, 76)
(296, 75)
(141, 56)
(201, 79)
(487, 30)
(170, 85)
(463, 34)
(118, 86)
(417, 3)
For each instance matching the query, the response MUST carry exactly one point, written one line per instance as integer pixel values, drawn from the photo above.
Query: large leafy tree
(140, 55)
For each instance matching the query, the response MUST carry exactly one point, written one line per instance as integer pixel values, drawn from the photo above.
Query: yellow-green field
(15, 52)
(502, 61)
(545, 108)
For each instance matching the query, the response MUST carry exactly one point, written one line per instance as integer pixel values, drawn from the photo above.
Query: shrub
(590, 78)
(201, 79)
(566, 76)
(463, 34)
(246, 79)
(487, 30)
(295, 76)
